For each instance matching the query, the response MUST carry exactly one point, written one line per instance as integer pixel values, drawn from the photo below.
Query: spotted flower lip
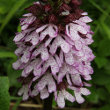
(56, 58)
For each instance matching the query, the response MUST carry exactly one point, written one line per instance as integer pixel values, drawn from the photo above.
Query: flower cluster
(53, 51)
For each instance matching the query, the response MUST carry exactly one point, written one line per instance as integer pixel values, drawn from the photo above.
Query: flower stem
(48, 103)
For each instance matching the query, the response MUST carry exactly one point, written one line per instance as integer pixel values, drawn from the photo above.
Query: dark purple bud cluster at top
(48, 13)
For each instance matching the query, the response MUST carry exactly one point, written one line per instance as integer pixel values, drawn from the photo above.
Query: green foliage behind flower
(99, 10)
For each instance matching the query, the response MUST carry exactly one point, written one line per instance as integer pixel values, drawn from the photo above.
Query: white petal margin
(62, 96)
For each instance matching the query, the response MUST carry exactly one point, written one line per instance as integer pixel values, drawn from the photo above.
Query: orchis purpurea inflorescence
(53, 51)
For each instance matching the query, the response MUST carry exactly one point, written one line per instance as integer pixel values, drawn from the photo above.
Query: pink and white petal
(53, 47)
(24, 27)
(36, 77)
(51, 86)
(35, 39)
(71, 32)
(68, 79)
(68, 40)
(24, 91)
(43, 51)
(69, 58)
(84, 13)
(59, 42)
(80, 29)
(65, 47)
(45, 67)
(54, 68)
(34, 92)
(44, 93)
(25, 57)
(48, 42)
(55, 95)
(19, 51)
(37, 72)
(52, 30)
(61, 75)
(78, 97)
(68, 96)
(28, 14)
(18, 37)
(85, 91)
(24, 74)
(58, 60)
(44, 54)
(43, 35)
(17, 64)
(85, 19)
(87, 84)
(61, 57)
(25, 96)
(87, 77)
(29, 68)
(28, 38)
(41, 28)
(76, 79)
(35, 53)
(61, 100)
(21, 91)
(78, 45)
(63, 71)
(53, 64)
(42, 84)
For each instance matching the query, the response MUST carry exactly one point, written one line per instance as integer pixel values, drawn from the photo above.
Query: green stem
(48, 103)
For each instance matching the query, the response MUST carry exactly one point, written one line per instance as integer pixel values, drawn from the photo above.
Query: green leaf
(106, 29)
(17, 5)
(7, 54)
(17, 104)
(11, 73)
(107, 67)
(103, 94)
(101, 61)
(106, 107)
(54, 103)
(93, 97)
(4, 94)
(19, 28)
(104, 48)
(98, 7)
(101, 78)
(108, 87)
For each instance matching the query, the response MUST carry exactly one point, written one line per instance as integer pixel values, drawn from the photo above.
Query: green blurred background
(99, 11)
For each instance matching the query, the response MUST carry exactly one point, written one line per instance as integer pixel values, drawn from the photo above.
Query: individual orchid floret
(78, 92)
(24, 91)
(43, 51)
(25, 22)
(45, 30)
(31, 67)
(51, 62)
(48, 81)
(62, 96)
(73, 29)
(33, 38)
(59, 42)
